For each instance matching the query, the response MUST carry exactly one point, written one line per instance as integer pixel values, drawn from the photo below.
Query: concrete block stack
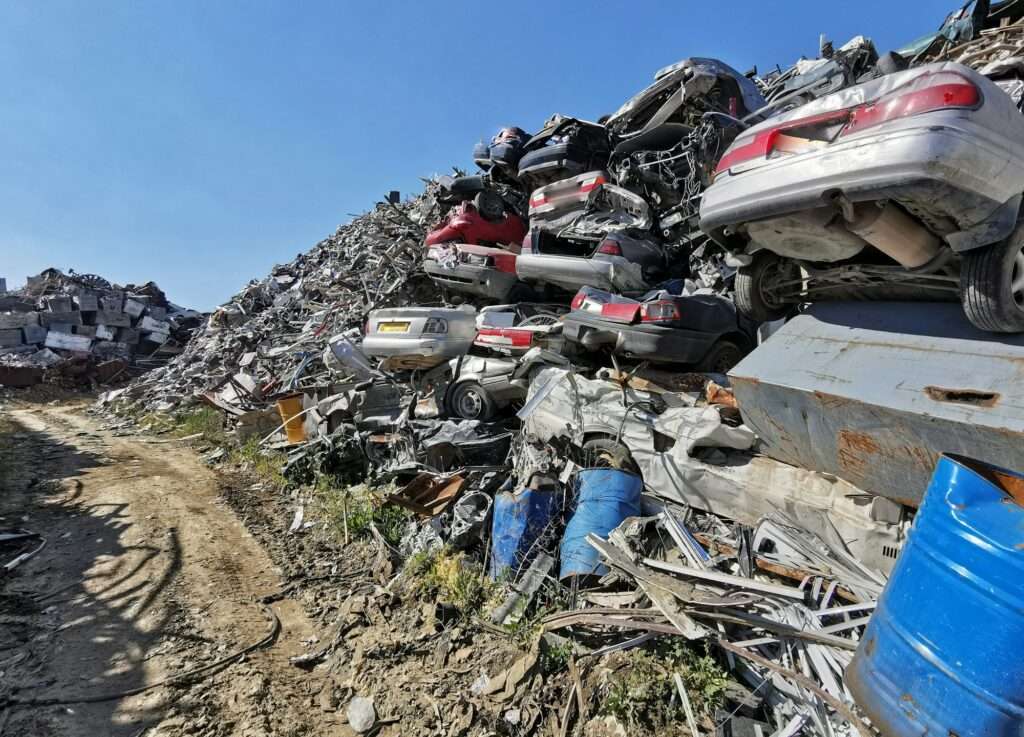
(58, 317)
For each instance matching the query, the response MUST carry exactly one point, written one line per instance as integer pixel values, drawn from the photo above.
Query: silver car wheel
(1017, 278)
(470, 404)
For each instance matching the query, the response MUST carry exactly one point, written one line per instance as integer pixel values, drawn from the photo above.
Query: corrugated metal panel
(874, 392)
(941, 655)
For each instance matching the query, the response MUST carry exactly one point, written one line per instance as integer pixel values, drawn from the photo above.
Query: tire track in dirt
(148, 575)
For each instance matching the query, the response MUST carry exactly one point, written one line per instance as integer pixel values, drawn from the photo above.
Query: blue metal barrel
(944, 652)
(519, 519)
(606, 497)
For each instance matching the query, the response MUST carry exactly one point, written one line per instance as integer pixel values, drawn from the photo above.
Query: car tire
(722, 356)
(752, 282)
(522, 293)
(470, 401)
(992, 285)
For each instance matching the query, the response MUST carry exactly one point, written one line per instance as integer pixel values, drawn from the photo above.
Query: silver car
(909, 185)
(419, 337)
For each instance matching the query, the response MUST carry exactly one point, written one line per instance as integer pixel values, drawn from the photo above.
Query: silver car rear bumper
(436, 346)
(950, 168)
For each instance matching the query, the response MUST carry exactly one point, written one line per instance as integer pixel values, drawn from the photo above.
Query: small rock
(361, 714)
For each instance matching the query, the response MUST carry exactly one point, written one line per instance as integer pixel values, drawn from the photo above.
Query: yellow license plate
(393, 327)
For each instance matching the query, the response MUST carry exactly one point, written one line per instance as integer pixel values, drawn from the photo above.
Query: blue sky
(198, 143)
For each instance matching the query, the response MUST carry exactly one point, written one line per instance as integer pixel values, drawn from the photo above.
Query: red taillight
(504, 262)
(942, 91)
(578, 300)
(538, 199)
(609, 248)
(662, 311)
(763, 142)
(624, 311)
(591, 183)
(509, 337)
(927, 93)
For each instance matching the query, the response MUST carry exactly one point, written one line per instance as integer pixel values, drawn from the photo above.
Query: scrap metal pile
(538, 358)
(79, 329)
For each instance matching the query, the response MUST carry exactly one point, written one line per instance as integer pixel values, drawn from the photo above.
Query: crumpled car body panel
(688, 78)
(466, 225)
(469, 269)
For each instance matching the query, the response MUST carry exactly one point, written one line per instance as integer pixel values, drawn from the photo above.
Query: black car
(704, 331)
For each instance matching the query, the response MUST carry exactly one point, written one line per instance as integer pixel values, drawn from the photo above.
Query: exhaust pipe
(894, 233)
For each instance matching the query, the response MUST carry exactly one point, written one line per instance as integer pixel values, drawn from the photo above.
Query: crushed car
(585, 230)
(483, 214)
(669, 136)
(564, 147)
(483, 271)
(834, 70)
(514, 329)
(502, 154)
(481, 386)
(704, 331)
(905, 187)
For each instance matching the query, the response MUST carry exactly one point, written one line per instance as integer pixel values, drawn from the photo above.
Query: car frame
(924, 166)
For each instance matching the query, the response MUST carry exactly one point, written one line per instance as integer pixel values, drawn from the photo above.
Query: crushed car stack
(538, 359)
(80, 328)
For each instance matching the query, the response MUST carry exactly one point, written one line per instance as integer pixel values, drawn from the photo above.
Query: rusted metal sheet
(874, 392)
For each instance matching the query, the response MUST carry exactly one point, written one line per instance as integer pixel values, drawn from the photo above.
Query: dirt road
(146, 574)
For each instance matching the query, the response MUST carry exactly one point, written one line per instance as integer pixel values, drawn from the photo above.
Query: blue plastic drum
(944, 652)
(606, 496)
(519, 519)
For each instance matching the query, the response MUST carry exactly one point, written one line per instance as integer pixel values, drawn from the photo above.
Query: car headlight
(436, 325)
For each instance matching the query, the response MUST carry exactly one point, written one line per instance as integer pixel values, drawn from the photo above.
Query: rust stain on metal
(972, 397)
(1012, 485)
(856, 450)
(831, 400)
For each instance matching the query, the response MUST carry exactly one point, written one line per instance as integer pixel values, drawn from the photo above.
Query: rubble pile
(274, 329)
(78, 329)
(665, 381)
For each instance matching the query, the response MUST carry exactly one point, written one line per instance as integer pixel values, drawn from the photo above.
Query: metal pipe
(895, 234)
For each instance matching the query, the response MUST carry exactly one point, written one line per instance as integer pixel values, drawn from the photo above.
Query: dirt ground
(156, 565)
(147, 573)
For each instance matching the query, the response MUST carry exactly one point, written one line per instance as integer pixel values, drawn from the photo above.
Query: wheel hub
(470, 404)
(1017, 279)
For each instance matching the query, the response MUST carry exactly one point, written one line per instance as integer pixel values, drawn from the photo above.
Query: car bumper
(960, 171)
(435, 347)
(651, 342)
(468, 279)
(612, 273)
